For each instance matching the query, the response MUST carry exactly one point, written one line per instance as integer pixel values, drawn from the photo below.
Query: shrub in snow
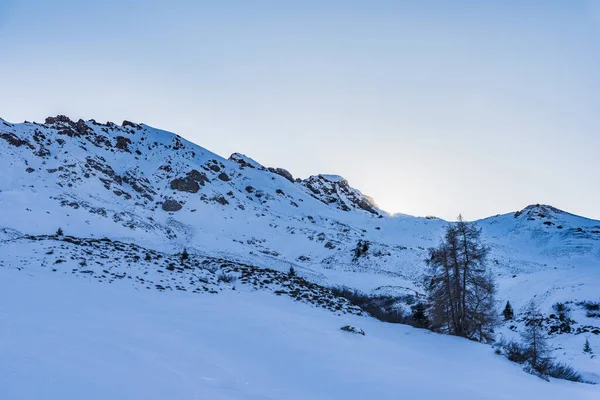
(227, 278)
(59, 232)
(533, 371)
(535, 352)
(563, 311)
(563, 371)
(515, 352)
(381, 307)
(592, 309)
(353, 329)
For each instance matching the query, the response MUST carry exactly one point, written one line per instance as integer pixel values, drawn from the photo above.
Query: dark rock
(123, 143)
(221, 200)
(14, 140)
(82, 128)
(224, 177)
(58, 118)
(99, 165)
(62, 118)
(177, 144)
(353, 329)
(131, 124)
(198, 177)
(337, 192)
(241, 159)
(29, 170)
(186, 184)
(171, 205)
(283, 172)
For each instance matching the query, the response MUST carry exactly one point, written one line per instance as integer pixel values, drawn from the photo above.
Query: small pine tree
(586, 347)
(59, 232)
(184, 256)
(508, 312)
(418, 315)
(292, 272)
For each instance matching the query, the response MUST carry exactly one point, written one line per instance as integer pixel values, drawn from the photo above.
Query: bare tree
(534, 339)
(461, 288)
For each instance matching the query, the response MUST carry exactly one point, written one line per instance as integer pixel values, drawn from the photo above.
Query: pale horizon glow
(431, 108)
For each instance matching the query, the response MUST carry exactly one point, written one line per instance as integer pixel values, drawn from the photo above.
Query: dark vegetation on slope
(107, 260)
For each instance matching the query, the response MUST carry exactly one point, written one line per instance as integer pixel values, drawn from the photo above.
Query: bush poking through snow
(534, 352)
(564, 371)
(353, 329)
(516, 352)
(227, 278)
(380, 307)
(59, 232)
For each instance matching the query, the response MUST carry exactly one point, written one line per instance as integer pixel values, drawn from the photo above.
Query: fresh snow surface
(67, 338)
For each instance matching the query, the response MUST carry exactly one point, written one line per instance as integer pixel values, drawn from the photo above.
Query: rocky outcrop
(245, 161)
(335, 190)
(123, 143)
(283, 172)
(171, 205)
(224, 177)
(186, 184)
(190, 183)
(14, 140)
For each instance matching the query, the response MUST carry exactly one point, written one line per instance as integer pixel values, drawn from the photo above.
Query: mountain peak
(539, 211)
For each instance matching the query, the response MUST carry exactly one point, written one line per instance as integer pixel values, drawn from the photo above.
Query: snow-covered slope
(118, 343)
(150, 190)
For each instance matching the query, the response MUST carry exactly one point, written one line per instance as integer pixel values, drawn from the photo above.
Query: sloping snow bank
(66, 338)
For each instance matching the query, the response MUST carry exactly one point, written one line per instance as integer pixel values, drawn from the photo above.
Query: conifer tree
(292, 272)
(586, 347)
(460, 286)
(508, 312)
(184, 256)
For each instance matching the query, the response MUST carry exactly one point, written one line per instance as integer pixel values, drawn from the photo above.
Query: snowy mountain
(130, 198)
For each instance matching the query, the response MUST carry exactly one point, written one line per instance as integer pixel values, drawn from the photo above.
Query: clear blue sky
(431, 107)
